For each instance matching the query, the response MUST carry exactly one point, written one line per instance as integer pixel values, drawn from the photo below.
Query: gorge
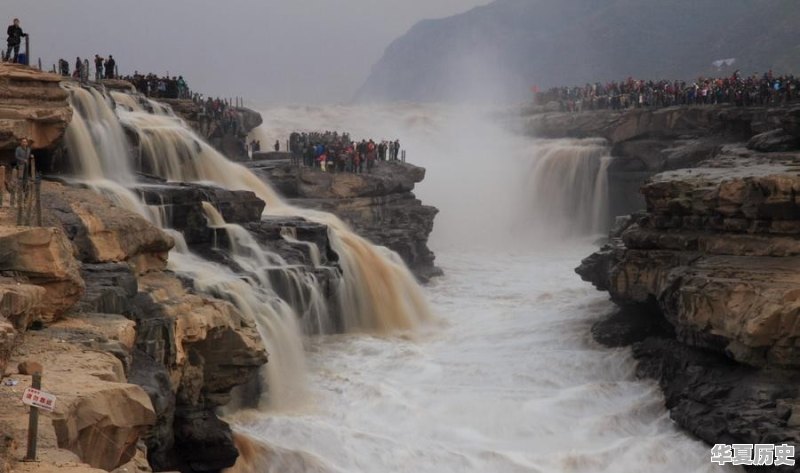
(196, 313)
(198, 324)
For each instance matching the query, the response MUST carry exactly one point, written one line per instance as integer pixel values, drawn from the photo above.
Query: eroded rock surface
(379, 206)
(43, 257)
(32, 105)
(716, 256)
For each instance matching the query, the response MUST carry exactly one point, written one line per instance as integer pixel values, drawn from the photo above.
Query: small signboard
(36, 398)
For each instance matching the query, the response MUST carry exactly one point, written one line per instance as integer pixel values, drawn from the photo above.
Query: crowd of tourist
(756, 90)
(161, 87)
(104, 68)
(335, 152)
(219, 112)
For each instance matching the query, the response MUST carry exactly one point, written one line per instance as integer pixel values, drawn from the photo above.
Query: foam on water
(511, 381)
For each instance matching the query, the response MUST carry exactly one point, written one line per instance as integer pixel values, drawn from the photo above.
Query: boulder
(20, 304)
(103, 427)
(29, 368)
(103, 232)
(44, 257)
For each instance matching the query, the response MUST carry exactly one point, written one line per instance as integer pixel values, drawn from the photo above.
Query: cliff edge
(705, 268)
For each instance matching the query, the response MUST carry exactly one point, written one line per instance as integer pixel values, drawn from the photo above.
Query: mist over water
(494, 187)
(511, 381)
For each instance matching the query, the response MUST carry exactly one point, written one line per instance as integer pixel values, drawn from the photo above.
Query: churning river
(508, 379)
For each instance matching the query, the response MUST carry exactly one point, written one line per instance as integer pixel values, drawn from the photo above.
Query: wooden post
(13, 184)
(29, 201)
(33, 422)
(2, 184)
(38, 202)
(20, 195)
(27, 50)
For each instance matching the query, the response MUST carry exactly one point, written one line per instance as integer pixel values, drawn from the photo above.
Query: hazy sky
(271, 51)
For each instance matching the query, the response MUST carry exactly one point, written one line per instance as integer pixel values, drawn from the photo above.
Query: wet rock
(110, 289)
(200, 348)
(154, 378)
(773, 141)
(631, 324)
(719, 400)
(181, 207)
(207, 440)
(378, 206)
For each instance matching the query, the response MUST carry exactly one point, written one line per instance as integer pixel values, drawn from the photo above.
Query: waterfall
(569, 180)
(376, 293)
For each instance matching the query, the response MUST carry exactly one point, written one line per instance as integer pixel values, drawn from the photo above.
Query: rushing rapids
(512, 382)
(376, 292)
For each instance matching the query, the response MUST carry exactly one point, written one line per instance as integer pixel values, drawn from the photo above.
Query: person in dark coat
(15, 35)
(98, 67)
(110, 65)
(78, 68)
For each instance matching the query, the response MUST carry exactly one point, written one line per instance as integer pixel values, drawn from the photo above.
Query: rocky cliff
(33, 106)
(705, 270)
(140, 361)
(228, 140)
(379, 206)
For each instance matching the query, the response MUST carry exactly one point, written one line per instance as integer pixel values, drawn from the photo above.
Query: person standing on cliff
(110, 65)
(15, 35)
(22, 157)
(78, 72)
(98, 67)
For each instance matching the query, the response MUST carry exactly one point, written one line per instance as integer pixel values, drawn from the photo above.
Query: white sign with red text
(36, 398)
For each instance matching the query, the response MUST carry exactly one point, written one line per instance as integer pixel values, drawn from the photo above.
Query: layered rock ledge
(379, 206)
(645, 142)
(708, 280)
(139, 361)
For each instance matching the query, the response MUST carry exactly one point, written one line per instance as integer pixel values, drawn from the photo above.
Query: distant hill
(499, 51)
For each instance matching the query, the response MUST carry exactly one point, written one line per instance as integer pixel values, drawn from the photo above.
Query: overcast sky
(271, 51)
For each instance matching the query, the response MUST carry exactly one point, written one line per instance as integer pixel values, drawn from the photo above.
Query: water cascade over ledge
(376, 292)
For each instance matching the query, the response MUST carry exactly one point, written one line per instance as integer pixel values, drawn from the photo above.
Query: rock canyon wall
(141, 360)
(705, 266)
